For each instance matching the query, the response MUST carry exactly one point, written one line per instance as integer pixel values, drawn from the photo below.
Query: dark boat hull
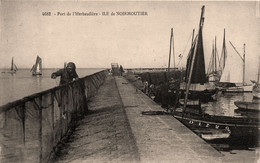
(236, 126)
(248, 106)
(203, 96)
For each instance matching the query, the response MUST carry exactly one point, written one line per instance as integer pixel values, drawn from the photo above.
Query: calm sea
(22, 83)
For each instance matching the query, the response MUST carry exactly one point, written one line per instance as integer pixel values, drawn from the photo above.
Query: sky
(131, 41)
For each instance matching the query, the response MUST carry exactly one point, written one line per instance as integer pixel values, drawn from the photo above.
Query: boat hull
(203, 92)
(249, 106)
(256, 91)
(236, 126)
(203, 96)
(237, 89)
(256, 95)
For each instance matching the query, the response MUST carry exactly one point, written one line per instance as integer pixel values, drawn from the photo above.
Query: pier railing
(31, 127)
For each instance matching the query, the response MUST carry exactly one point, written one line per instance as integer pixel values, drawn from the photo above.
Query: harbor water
(23, 83)
(224, 104)
(233, 149)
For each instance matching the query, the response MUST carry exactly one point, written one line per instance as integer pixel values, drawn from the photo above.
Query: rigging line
(184, 49)
(237, 51)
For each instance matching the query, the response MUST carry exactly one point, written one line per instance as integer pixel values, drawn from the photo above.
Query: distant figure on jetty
(66, 74)
(121, 70)
(146, 87)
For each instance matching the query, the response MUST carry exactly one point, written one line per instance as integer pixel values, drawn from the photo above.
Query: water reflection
(37, 81)
(224, 105)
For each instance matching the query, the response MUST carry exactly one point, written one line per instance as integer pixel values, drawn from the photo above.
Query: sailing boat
(226, 126)
(213, 73)
(13, 68)
(195, 79)
(233, 76)
(37, 67)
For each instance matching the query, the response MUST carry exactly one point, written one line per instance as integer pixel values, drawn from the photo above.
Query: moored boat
(233, 75)
(227, 126)
(256, 91)
(240, 126)
(196, 80)
(248, 106)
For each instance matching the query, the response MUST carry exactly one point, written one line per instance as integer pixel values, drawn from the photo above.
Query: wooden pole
(190, 73)
(258, 74)
(244, 64)
(173, 54)
(215, 55)
(169, 63)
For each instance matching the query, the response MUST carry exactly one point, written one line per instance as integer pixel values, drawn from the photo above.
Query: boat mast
(215, 56)
(258, 75)
(244, 63)
(169, 63)
(173, 54)
(224, 48)
(193, 59)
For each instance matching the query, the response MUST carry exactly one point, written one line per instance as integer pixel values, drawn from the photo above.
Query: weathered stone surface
(117, 131)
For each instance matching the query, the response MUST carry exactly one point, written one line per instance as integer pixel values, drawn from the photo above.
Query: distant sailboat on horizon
(13, 68)
(37, 67)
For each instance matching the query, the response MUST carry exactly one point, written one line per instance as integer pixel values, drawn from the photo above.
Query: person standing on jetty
(66, 74)
(121, 70)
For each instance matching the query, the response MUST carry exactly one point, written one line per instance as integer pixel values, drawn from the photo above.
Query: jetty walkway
(115, 130)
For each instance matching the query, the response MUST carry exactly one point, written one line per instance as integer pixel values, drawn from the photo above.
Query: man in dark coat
(121, 70)
(67, 74)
